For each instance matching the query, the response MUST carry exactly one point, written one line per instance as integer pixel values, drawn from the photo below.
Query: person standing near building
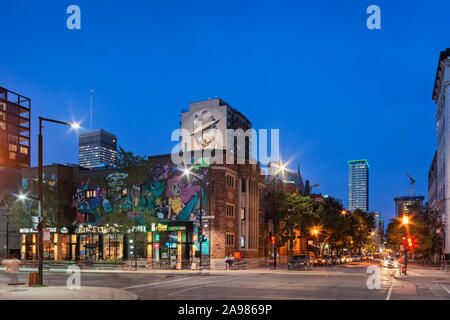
(227, 262)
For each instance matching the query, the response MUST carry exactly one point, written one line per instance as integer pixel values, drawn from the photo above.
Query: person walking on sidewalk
(12, 266)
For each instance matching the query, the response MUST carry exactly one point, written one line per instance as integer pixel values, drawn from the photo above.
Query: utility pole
(7, 227)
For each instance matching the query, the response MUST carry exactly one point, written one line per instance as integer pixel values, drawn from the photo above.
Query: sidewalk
(62, 293)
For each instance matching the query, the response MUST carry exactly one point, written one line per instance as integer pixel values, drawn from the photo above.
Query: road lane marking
(445, 288)
(154, 283)
(389, 293)
(202, 285)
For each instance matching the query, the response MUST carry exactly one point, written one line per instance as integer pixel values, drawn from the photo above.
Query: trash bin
(33, 279)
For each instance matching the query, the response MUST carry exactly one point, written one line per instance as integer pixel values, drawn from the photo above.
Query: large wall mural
(168, 194)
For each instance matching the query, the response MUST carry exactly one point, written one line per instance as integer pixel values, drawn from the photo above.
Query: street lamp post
(281, 168)
(187, 172)
(315, 232)
(405, 222)
(40, 186)
(7, 228)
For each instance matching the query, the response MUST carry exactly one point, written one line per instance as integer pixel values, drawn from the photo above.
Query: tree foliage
(124, 208)
(298, 216)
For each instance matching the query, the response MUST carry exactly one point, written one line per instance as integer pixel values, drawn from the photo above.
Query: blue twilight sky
(336, 90)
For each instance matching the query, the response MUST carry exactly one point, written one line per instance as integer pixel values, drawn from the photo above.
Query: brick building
(232, 199)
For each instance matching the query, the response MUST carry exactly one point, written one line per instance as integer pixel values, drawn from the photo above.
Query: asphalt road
(337, 282)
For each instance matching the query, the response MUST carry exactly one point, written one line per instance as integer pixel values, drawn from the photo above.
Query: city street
(336, 282)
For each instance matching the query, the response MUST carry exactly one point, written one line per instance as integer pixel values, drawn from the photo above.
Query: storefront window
(90, 247)
(113, 246)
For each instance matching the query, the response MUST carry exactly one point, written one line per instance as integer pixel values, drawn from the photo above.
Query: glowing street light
(405, 220)
(75, 125)
(186, 171)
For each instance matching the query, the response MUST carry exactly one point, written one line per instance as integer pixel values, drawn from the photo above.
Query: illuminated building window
(12, 148)
(23, 150)
(12, 156)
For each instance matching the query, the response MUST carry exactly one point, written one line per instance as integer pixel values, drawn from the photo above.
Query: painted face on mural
(176, 189)
(205, 129)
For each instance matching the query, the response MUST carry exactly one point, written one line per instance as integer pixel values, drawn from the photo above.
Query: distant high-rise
(407, 205)
(358, 185)
(96, 149)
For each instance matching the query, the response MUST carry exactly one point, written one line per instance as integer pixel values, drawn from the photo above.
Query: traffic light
(410, 242)
(272, 239)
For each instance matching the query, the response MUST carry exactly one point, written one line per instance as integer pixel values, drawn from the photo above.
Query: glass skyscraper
(358, 185)
(96, 149)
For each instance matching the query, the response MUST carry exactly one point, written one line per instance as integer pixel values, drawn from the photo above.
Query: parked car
(355, 258)
(327, 261)
(348, 259)
(336, 260)
(303, 261)
(341, 259)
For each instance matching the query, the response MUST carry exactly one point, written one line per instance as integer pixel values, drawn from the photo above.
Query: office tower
(358, 185)
(97, 148)
(407, 205)
(441, 96)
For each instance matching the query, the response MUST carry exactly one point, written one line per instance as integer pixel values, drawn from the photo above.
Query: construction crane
(412, 183)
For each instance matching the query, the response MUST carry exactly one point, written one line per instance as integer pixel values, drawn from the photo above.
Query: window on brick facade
(230, 181)
(242, 213)
(242, 241)
(230, 239)
(230, 210)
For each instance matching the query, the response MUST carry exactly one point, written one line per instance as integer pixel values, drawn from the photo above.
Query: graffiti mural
(87, 200)
(167, 194)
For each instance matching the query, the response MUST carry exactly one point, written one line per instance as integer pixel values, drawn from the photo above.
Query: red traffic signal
(409, 242)
(272, 239)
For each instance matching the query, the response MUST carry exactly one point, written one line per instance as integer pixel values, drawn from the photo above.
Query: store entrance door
(173, 258)
(91, 252)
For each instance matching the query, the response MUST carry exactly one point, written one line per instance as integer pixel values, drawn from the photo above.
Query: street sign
(46, 237)
(208, 217)
(35, 221)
